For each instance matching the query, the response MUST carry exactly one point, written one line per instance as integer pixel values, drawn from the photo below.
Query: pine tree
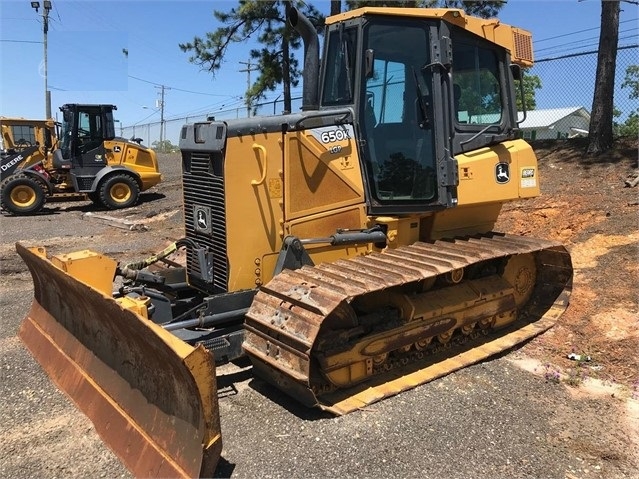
(267, 22)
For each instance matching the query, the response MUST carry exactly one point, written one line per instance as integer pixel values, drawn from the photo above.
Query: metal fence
(150, 132)
(563, 103)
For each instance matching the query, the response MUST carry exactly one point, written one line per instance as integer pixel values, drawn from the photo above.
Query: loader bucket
(151, 397)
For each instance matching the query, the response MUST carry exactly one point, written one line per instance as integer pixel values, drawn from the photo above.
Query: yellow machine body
(143, 161)
(292, 185)
(19, 133)
(350, 245)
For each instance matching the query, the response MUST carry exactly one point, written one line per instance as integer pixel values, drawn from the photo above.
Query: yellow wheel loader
(87, 161)
(347, 249)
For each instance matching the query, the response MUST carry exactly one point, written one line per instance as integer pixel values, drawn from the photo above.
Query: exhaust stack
(310, 74)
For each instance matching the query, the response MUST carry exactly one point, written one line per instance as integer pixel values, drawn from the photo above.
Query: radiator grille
(204, 189)
(523, 46)
(85, 182)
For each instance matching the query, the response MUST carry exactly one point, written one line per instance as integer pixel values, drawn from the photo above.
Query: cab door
(89, 152)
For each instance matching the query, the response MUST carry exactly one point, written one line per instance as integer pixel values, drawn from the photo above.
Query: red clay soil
(586, 204)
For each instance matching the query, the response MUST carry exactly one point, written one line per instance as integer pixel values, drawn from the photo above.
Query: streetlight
(45, 28)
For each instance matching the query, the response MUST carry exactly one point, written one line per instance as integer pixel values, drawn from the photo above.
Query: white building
(555, 123)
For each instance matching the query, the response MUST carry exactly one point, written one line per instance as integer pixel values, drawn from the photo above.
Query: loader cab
(84, 130)
(423, 90)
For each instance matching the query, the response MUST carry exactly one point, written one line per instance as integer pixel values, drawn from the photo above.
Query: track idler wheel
(521, 273)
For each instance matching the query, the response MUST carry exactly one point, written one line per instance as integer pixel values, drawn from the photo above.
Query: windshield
(397, 108)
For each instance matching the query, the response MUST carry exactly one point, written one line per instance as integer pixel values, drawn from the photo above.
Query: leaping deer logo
(502, 174)
(201, 219)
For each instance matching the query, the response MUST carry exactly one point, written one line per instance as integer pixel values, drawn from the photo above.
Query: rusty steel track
(293, 312)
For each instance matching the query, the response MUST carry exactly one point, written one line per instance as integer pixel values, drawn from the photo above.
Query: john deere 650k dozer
(340, 248)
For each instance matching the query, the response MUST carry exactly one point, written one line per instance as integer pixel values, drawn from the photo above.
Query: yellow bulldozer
(347, 249)
(86, 161)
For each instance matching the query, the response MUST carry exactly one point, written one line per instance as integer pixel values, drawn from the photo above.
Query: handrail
(345, 112)
(257, 147)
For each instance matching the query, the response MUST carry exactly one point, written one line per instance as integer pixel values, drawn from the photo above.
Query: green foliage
(477, 8)
(531, 83)
(266, 21)
(632, 81)
(353, 4)
(631, 126)
(480, 93)
(164, 146)
(575, 376)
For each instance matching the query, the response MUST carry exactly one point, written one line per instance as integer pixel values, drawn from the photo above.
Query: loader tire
(94, 196)
(22, 195)
(119, 191)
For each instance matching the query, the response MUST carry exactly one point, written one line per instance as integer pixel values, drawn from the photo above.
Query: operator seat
(59, 162)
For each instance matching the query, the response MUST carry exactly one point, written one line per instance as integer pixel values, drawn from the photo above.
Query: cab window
(476, 86)
(340, 68)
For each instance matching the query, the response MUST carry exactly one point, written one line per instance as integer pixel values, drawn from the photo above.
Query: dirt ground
(569, 419)
(586, 205)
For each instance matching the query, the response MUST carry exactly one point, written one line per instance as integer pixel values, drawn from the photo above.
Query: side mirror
(518, 75)
(516, 71)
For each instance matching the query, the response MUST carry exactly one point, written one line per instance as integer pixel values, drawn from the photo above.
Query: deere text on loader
(348, 249)
(88, 160)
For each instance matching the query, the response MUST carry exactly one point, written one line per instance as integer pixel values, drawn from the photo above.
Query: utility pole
(248, 70)
(45, 28)
(162, 88)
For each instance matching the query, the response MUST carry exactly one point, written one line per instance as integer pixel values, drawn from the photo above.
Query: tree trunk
(601, 117)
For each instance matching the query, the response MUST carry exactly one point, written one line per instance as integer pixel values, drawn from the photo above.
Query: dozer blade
(343, 335)
(151, 397)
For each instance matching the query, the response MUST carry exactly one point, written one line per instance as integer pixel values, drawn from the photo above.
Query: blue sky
(86, 63)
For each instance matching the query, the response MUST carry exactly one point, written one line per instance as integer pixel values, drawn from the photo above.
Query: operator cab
(84, 130)
(423, 90)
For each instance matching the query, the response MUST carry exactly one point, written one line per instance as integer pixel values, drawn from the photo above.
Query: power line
(574, 33)
(145, 118)
(581, 43)
(572, 55)
(177, 89)
(20, 41)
